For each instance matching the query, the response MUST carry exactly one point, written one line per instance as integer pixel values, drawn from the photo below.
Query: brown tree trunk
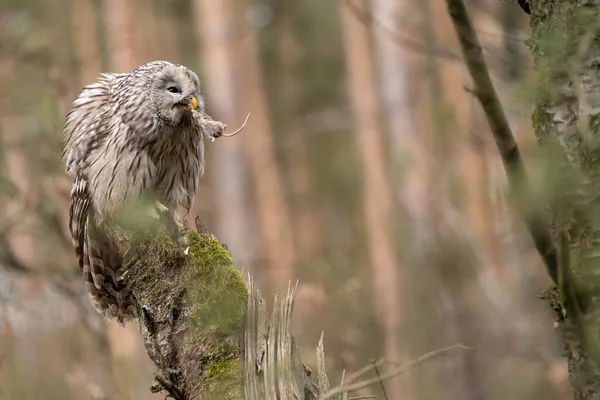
(121, 28)
(449, 142)
(85, 30)
(227, 164)
(377, 200)
(565, 49)
(259, 142)
(290, 52)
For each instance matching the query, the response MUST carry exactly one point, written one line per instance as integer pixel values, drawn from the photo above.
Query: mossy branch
(206, 330)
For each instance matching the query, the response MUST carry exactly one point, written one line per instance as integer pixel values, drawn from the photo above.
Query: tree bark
(206, 330)
(565, 51)
(191, 310)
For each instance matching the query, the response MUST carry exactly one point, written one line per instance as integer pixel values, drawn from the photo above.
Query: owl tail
(102, 269)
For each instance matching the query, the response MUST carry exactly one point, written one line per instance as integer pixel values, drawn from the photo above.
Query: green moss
(224, 379)
(556, 37)
(219, 297)
(219, 292)
(211, 291)
(217, 368)
(163, 253)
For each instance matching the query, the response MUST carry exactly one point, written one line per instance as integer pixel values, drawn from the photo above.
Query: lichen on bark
(566, 121)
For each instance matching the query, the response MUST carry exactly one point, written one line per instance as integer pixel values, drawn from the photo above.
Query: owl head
(175, 93)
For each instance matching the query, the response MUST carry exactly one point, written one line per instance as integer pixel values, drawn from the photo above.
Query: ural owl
(127, 136)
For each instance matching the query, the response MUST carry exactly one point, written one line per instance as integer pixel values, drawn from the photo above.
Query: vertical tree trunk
(228, 166)
(394, 68)
(121, 31)
(377, 192)
(89, 61)
(450, 142)
(228, 42)
(513, 60)
(259, 142)
(290, 53)
(566, 53)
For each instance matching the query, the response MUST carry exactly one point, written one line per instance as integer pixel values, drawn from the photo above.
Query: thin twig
(507, 147)
(396, 371)
(385, 396)
(343, 395)
(363, 371)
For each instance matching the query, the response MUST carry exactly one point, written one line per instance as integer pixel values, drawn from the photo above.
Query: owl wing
(83, 132)
(87, 127)
(83, 126)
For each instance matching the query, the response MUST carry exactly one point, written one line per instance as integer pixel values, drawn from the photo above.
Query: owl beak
(192, 103)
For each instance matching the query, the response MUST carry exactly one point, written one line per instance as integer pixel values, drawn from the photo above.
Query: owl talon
(160, 207)
(175, 224)
(157, 210)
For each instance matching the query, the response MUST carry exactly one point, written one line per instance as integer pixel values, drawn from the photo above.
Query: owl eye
(173, 89)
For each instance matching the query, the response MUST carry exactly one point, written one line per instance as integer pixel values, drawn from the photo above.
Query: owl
(128, 136)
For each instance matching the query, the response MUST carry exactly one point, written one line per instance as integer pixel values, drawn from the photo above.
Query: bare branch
(396, 371)
(381, 384)
(536, 222)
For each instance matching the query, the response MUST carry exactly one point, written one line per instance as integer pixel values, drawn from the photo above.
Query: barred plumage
(128, 136)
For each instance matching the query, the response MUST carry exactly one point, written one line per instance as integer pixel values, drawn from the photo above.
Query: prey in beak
(190, 102)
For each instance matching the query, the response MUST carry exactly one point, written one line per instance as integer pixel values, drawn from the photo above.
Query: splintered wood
(273, 369)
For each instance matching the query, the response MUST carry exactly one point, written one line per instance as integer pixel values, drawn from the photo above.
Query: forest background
(366, 171)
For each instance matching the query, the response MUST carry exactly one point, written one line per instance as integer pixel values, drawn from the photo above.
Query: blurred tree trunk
(235, 84)
(394, 67)
(513, 61)
(290, 53)
(121, 29)
(566, 51)
(273, 215)
(377, 192)
(454, 177)
(88, 55)
(227, 164)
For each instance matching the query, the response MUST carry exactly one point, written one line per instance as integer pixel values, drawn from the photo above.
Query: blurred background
(366, 171)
